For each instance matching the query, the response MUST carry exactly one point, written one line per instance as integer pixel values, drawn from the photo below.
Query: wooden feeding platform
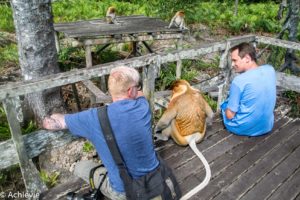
(129, 28)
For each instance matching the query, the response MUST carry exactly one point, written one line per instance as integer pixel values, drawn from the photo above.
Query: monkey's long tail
(192, 142)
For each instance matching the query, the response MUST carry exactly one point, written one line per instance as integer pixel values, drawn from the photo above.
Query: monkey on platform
(178, 21)
(111, 17)
(185, 121)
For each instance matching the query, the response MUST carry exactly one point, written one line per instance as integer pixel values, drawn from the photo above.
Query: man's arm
(229, 114)
(55, 122)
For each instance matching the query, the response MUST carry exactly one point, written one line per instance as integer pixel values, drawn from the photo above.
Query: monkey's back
(190, 116)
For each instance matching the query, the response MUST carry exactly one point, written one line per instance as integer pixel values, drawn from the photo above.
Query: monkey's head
(180, 86)
(180, 13)
(111, 9)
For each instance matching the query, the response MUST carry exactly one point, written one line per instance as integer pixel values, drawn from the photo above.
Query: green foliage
(11, 179)
(294, 102)
(8, 55)
(87, 147)
(6, 16)
(213, 104)
(4, 127)
(71, 10)
(50, 179)
(168, 74)
(167, 8)
(250, 18)
(70, 58)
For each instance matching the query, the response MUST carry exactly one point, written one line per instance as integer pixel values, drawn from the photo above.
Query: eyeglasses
(138, 87)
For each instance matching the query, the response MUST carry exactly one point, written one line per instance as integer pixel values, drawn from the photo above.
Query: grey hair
(121, 78)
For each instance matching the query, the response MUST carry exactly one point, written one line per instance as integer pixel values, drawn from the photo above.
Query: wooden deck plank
(171, 151)
(233, 172)
(263, 166)
(290, 189)
(287, 165)
(220, 165)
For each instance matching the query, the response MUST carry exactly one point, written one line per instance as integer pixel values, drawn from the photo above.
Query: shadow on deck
(265, 167)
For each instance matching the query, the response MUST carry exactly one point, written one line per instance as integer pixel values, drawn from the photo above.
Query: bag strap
(109, 136)
(112, 144)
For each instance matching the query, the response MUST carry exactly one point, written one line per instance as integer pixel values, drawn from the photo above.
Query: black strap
(109, 136)
(112, 144)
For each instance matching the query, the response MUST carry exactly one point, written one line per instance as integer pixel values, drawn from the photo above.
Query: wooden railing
(21, 149)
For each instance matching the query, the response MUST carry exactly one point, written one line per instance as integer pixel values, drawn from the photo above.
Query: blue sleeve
(234, 97)
(79, 123)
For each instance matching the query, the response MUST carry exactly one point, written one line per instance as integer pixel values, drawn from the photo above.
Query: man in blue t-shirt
(130, 119)
(252, 96)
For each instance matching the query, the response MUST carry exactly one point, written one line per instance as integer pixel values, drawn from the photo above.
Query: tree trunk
(37, 53)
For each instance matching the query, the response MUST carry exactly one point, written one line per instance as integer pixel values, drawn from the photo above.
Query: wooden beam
(35, 143)
(33, 183)
(278, 42)
(288, 82)
(55, 80)
(101, 97)
(123, 39)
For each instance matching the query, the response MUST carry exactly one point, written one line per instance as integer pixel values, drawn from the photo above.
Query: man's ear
(131, 93)
(247, 58)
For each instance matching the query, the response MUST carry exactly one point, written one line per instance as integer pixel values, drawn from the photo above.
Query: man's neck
(114, 99)
(253, 65)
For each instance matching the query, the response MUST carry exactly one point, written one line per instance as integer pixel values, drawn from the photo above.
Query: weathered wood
(289, 189)
(31, 178)
(232, 172)
(149, 75)
(24, 87)
(125, 38)
(101, 97)
(60, 191)
(35, 143)
(278, 42)
(179, 61)
(127, 25)
(263, 166)
(289, 82)
(284, 166)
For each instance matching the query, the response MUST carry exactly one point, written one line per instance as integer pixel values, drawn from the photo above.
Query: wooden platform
(243, 168)
(265, 167)
(138, 24)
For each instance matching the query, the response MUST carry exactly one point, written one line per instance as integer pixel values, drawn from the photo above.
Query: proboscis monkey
(178, 21)
(111, 17)
(185, 121)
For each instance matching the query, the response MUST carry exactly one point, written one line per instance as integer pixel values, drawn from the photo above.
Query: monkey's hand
(159, 136)
(209, 119)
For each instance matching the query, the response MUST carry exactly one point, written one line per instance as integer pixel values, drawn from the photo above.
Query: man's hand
(55, 122)
(229, 114)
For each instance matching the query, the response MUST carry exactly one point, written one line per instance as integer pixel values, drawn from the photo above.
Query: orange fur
(186, 113)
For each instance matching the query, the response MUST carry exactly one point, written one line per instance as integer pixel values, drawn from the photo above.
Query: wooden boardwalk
(245, 168)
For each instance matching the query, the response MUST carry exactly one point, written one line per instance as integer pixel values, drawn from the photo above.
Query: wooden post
(30, 174)
(149, 76)
(56, 41)
(89, 64)
(179, 62)
(225, 64)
